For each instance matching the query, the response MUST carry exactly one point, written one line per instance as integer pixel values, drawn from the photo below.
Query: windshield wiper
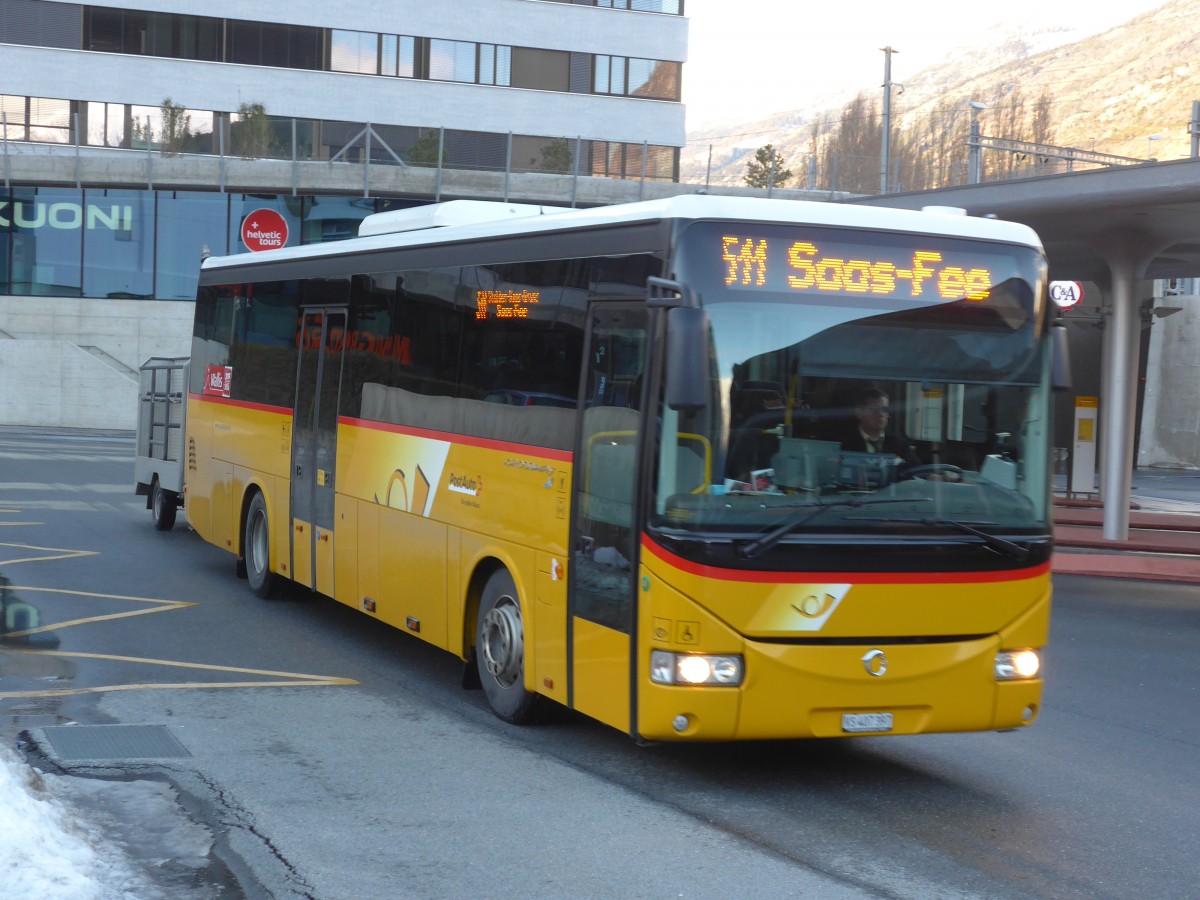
(998, 544)
(805, 514)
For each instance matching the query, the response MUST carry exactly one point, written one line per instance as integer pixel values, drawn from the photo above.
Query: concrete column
(1128, 254)
(1119, 380)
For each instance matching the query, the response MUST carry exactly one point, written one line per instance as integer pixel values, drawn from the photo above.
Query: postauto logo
(65, 216)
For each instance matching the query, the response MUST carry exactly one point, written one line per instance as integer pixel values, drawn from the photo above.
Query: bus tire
(500, 651)
(257, 548)
(163, 505)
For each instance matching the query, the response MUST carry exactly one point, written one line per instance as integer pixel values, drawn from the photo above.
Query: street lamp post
(886, 150)
(1150, 139)
(974, 148)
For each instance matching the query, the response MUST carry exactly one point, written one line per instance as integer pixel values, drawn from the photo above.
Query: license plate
(860, 722)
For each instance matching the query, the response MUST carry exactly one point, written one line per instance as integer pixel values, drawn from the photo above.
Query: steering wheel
(935, 472)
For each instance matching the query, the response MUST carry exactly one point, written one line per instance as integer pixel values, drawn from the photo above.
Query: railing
(369, 145)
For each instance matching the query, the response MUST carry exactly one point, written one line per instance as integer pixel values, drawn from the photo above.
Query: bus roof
(465, 220)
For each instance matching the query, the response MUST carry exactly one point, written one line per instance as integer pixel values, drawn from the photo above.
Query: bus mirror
(687, 358)
(1061, 365)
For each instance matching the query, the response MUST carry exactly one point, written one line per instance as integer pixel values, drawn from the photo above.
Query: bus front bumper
(804, 691)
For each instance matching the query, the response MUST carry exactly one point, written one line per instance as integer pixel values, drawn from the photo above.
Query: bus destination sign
(505, 304)
(883, 271)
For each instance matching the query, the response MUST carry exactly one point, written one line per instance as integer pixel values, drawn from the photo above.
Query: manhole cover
(77, 742)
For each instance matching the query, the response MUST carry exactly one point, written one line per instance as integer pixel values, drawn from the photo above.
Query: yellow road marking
(160, 606)
(62, 553)
(295, 679)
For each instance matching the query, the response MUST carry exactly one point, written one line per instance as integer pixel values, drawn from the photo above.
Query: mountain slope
(1109, 93)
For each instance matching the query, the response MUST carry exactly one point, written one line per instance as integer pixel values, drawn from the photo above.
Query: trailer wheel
(258, 548)
(163, 505)
(500, 651)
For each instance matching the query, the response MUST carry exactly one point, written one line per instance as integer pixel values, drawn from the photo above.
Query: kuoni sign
(1066, 293)
(264, 229)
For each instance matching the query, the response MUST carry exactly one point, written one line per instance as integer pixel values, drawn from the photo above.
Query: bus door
(604, 532)
(314, 446)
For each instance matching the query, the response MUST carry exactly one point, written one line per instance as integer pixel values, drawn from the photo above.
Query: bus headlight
(1017, 665)
(694, 668)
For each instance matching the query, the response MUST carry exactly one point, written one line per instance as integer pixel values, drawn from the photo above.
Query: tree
(424, 152)
(176, 127)
(556, 157)
(767, 169)
(851, 157)
(252, 136)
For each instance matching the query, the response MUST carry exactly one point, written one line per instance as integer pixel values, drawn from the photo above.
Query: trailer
(162, 411)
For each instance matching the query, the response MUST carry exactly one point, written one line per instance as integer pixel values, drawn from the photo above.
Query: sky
(750, 58)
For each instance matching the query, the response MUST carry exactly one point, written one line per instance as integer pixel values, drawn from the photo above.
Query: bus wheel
(500, 651)
(258, 548)
(163, 504)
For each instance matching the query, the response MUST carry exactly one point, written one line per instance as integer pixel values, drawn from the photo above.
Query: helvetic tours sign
(264, 229)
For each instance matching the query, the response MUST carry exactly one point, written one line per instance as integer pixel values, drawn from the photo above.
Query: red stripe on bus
(484, 443)
(241, 404)
(759, 577)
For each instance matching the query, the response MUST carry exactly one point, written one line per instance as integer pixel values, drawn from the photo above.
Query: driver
(871, 435)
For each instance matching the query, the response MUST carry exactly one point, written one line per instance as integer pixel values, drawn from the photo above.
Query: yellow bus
(701, 468)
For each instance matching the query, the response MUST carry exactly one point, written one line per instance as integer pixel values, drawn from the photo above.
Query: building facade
(138, 135)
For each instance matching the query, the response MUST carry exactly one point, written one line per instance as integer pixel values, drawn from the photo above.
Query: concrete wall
(73, 362)
(1170, 435)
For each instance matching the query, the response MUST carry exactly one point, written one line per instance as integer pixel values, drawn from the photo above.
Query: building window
(609, 75)
(667, 7)
(267, 44)
(41, 247)
(652, 79)
(118, 244)
(543, 70)
(354, 51)
(495, 64)
(625, 161)
(398, 55)
(152, 34)
(37, 119)
(452, 60)
(188, 224)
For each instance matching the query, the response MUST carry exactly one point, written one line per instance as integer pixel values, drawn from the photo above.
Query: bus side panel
(345, 550)
(279, 508)
(232, 446)
(198, 467)
(224, 509)
(324, 579)
(412, 574)
(601, 673)
(300, 550)
(549, 652)
(366, 550)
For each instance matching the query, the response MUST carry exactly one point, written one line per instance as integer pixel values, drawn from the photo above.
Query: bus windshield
(863, 382)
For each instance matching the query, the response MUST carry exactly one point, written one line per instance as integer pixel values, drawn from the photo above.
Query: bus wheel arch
(255, 542)
(499, 645)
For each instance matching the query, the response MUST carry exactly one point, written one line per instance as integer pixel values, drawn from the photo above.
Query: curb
(1158, 567)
